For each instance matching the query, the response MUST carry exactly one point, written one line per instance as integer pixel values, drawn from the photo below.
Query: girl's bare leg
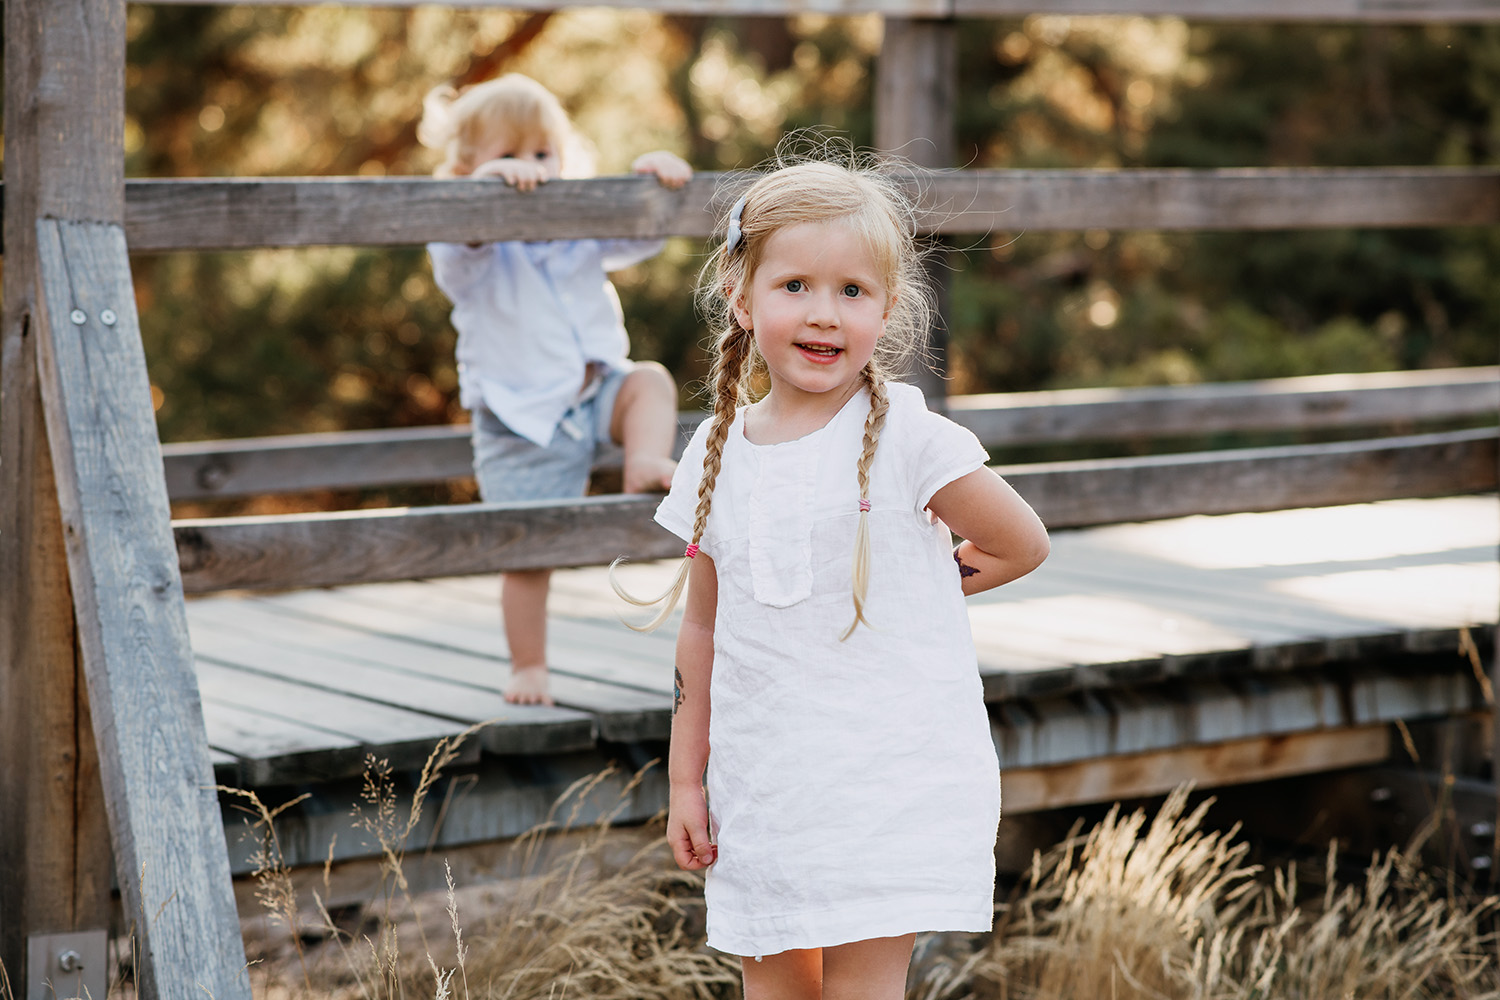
(790, 975)
(867, 970)
(523, 608)
(644, 423)
(862, 970)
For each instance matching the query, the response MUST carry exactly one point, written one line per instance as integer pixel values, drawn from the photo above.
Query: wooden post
(55, 863)
(72, 339)
(915, 89)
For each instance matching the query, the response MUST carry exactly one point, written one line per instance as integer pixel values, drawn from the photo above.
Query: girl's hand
(523, 175)
(670, 169)
(687, 830)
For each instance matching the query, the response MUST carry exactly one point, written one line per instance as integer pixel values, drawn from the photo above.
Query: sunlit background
(323, 339)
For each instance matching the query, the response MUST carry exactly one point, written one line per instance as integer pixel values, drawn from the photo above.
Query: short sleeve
(456, 266)
(937, 450)
(618, 254)
(675, 512)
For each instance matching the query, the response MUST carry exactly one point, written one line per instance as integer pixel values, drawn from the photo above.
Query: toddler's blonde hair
(461, 123)
(830, 183)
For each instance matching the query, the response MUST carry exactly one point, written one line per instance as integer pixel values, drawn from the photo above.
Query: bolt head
(78, 316)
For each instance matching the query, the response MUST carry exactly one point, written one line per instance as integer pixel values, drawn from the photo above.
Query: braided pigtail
(880, 405)
(730, 363)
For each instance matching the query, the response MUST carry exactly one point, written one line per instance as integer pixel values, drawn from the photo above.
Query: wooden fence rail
(326, 549)
(1238, 10)
(244, 213)
(353, 459)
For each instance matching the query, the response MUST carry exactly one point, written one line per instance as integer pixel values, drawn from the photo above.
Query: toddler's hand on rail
(670, 169)
(523, 175)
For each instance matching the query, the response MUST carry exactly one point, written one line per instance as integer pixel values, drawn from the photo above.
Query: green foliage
(282, 341)
(1131, 308)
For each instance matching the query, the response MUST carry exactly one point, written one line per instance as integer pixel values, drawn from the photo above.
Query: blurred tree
(313, 339)
(1061, 309)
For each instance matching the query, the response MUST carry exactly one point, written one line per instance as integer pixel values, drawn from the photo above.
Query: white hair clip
(733, 234)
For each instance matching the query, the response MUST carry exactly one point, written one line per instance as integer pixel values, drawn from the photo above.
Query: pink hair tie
(691, 550)
(864, 505)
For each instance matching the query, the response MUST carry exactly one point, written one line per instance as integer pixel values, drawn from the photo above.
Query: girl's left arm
(1003, 539)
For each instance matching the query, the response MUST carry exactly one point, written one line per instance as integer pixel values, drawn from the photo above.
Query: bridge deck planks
(299, 686)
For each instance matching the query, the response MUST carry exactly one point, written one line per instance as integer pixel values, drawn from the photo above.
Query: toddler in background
(542, 349)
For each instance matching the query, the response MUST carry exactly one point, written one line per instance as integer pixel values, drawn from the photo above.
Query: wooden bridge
(1353, 588)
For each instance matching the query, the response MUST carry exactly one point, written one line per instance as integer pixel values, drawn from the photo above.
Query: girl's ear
(890, 303)
(740, 309)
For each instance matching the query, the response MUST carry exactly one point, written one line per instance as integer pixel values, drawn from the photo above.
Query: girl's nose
(822, 310)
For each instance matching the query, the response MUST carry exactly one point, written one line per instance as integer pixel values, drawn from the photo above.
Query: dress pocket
(780, 542)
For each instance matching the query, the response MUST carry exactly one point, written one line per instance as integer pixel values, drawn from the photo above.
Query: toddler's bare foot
(648, 474)
(528, 686)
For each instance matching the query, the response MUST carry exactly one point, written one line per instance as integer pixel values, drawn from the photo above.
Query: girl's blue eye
(795, 285)
(852, 290)
(542, 154)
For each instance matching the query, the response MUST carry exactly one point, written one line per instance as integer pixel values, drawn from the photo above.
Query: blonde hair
(461, 123)
(857, 191)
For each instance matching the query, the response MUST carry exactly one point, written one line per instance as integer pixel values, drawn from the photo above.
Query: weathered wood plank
(402, 738)
(905, 8)
(401, 543)
(400, 678)
(270, 750)
(367, 546)
(127, 594)
(55, 865)
(1074, 494)
(1311, 402)
(1135, 775)
(916, 84)
(291, 462)
(1237, 10)
(1394, 11)
(240, 213)
(622, 714)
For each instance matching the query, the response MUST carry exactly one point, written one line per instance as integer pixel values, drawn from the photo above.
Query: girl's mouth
(820, 353)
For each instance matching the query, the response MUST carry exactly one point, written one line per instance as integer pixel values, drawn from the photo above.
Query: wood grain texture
(158, 780)
(324, 549)
(291, 462)
(776, 8)
(306, 550)
(1394, 11)
(395, 211)
(1134, 775)
(1375, 399)
(1237, 10)
(61, 157)
(1074, 494)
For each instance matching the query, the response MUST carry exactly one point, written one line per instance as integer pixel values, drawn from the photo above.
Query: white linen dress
(853, 787)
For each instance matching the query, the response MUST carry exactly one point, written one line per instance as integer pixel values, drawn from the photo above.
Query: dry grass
(1164, 909)
(1137, 909)
(580, 922)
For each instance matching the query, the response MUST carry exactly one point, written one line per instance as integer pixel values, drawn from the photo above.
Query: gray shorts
(510, 467)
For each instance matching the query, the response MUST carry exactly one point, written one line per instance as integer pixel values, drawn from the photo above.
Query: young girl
(541, 342)
(824, 654)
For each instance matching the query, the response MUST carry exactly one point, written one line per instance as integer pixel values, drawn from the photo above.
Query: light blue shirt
(530, 318)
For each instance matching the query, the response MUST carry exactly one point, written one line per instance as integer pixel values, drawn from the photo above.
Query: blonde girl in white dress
(831, 763)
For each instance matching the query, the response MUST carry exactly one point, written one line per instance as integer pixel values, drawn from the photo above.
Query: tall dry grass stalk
(579, 922)
(1172, 913)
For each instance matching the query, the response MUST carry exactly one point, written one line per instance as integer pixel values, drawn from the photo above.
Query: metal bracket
(62, 966)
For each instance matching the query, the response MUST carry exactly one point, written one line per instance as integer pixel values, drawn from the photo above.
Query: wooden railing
(322, 549)
(1386, 11)
(238, 214)
(1391, 401)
